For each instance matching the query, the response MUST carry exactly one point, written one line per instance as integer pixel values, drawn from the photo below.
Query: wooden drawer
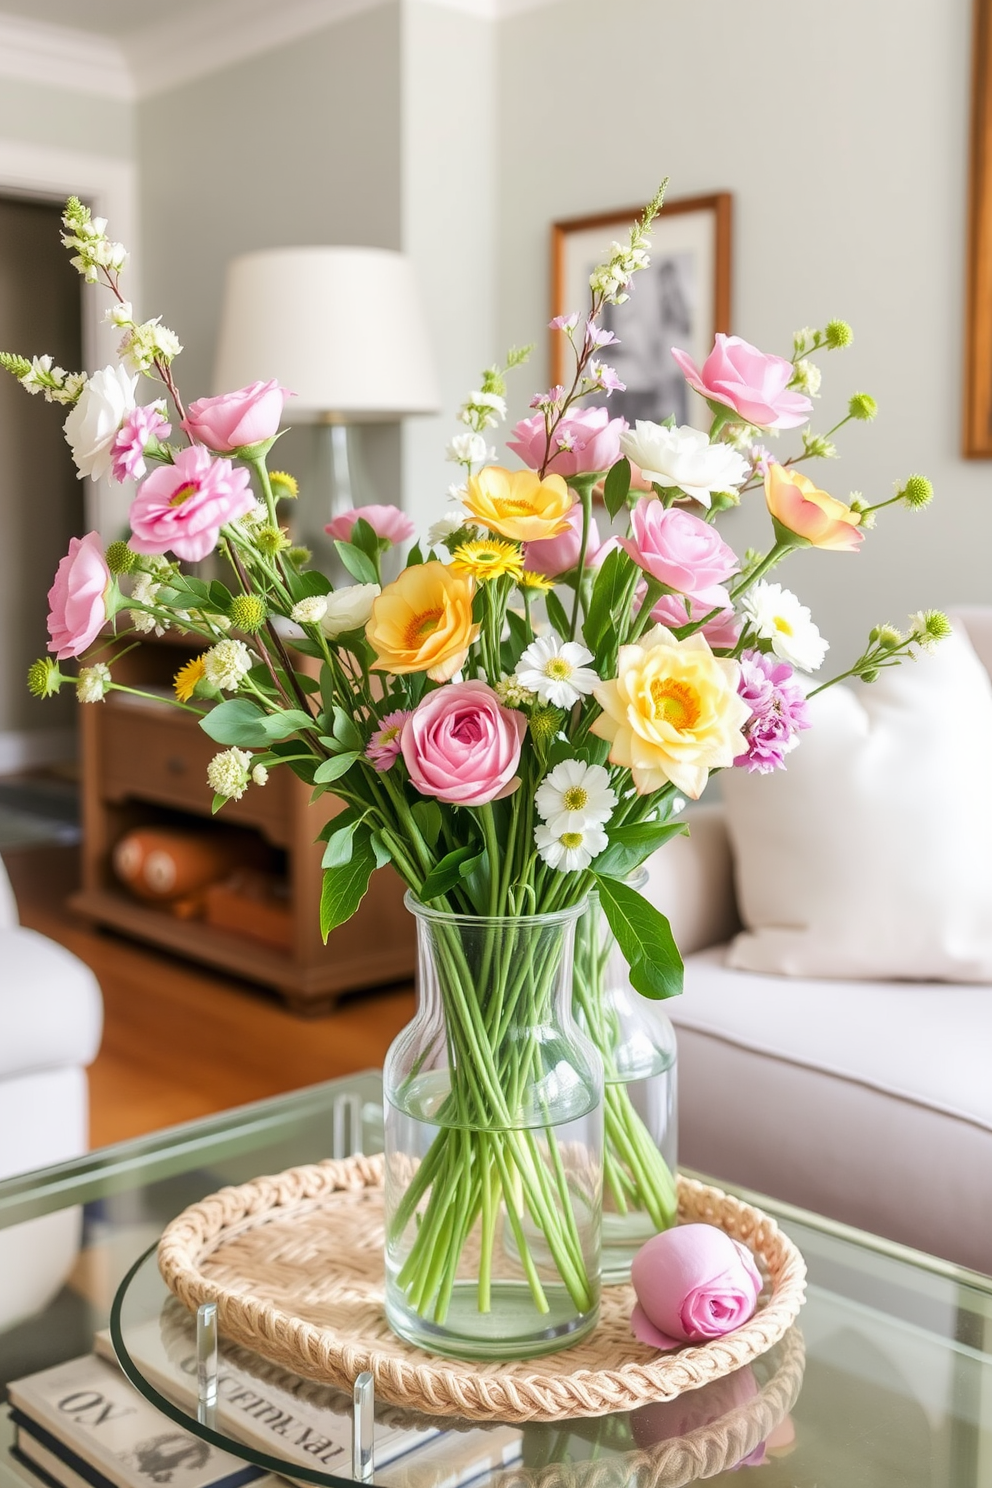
(151, 754)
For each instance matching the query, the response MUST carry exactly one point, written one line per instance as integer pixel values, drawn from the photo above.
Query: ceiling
(105, 17)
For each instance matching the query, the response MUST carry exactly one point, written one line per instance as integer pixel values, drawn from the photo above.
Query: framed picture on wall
(681, 300)
(978, 329)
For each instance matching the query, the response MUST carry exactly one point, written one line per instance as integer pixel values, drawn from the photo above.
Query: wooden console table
(146, 763)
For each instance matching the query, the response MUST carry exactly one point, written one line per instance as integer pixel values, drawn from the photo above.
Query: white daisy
(556, 671)
(575, 796)
(569, 852)
(778, 616)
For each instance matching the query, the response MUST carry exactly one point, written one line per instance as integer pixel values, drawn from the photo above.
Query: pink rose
(722, 632)
(387, 522)
(692, 1283)
(585, 441)
(461, 745)
(748, 381)
(78, 598)
(232, 420)
(555, 555)
(181, 508)
(682, 551)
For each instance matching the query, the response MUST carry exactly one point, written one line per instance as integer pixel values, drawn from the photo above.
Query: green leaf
(644, 937)
(363, 536)
(608, 592)
(339, 834)
(629, 846)
(345, 885)
(415, 556)
(309, 584)
(557, 616)
(451, 869)
(617, 486)
(217, 802)
(358, 564)
(345, 729)
(427, 815)
(333, 769)
(518, 640)
(307, 648)
(221, 597)
(382, 853)
(236, 721)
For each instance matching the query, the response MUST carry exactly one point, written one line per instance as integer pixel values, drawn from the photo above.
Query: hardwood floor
(182, 1041)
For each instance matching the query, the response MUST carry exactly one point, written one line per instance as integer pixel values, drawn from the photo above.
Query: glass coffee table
(885, 1383)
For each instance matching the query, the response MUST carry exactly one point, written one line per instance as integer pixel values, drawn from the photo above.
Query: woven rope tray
(294, 1263)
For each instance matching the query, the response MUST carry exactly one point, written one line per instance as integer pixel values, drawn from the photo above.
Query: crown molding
(62, 57)
(163, 56)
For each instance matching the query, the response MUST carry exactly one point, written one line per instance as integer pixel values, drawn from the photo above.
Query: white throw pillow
(870, 854)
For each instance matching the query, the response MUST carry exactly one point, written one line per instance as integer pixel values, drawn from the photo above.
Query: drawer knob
(176, 765)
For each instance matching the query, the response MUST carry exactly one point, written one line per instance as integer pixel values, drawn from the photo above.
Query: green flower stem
(262, 473)
(585, 495)
(777, 553)
(156, 698)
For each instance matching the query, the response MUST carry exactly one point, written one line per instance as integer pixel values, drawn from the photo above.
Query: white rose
(468, 449)
(348, 609)
(684, 457)
(92, 426)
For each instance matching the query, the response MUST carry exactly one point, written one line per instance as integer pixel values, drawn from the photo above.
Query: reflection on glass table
(887, 1380)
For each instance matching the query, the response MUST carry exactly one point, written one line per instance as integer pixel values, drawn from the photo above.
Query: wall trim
(62, 57)
(27, 749)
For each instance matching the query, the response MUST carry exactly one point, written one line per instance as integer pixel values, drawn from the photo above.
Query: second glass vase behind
(637, 1043)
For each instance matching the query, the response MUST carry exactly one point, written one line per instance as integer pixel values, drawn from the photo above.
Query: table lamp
(343, 329)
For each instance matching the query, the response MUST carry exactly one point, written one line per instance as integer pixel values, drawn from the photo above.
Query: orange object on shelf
(251, 903)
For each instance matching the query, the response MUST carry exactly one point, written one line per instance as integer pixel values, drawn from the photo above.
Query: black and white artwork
(679, 300)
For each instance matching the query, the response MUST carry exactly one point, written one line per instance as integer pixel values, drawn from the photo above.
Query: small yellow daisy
(539, 581)
(488, 558)
(187, 677)
(284, 486)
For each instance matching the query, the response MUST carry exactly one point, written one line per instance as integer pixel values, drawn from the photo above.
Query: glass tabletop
(885, 1383)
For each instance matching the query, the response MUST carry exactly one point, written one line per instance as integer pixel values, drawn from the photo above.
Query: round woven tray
(294, 1263)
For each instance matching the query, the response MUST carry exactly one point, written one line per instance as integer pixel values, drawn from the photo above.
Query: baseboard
(29, 749)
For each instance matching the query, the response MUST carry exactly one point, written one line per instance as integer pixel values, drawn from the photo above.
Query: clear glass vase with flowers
(508, 724)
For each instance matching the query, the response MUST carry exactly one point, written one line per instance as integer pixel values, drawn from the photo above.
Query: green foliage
(243, 723)
(557, 616)
(629, 846)
(449, 872)
(427, 815)
(617, 486)
(339, 834)
(358, 564)
(334, 768)
(644, 937)
(346, 884)
(608, 593)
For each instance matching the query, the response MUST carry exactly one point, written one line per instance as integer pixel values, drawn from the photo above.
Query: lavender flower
(778, 712)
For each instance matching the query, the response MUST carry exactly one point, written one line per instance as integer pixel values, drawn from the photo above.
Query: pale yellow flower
(518, 504)
(672, 713)
(422, 622)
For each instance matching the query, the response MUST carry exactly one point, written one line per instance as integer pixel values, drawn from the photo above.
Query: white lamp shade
(342, 328)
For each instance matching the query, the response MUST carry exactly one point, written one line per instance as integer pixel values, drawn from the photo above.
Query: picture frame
(978, 324)
(682, 299)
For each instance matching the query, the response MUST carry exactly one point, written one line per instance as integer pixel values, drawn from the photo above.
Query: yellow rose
(423, 622)
(518, 504)
(672, 713)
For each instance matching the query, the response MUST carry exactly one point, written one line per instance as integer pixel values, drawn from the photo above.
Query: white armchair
(51, 1019)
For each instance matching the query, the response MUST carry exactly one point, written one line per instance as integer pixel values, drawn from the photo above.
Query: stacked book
(83, 1425)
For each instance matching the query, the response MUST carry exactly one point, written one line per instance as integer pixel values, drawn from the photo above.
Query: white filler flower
(309, 611)
(446, 526)
(571, 851)
(684, 457)
(227, 773)
(778, 616)
(92, 426)
(93, 683)
(225, 664)
(556, 670)
(348, 609)
(575, 796)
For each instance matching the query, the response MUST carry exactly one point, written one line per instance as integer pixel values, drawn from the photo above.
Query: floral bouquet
(511, 722)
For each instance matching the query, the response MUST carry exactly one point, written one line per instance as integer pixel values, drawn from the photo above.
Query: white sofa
(870, 1102)
(51, 1019)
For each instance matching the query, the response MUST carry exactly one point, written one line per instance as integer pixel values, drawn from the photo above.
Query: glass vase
(637, 1044)
(493, 1144)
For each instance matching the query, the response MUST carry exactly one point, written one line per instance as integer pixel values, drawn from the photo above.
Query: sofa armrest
(691, 881)
(8, 904)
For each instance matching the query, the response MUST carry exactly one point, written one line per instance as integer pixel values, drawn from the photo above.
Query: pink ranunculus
(692, 1283)
(682, 551)
(722, 632)
(555, 555)
(181, 508)
(461, 745)
(586, 441)
(233, 420)
(749, 381)
(387, 522)
(77, 600)
(139, 428)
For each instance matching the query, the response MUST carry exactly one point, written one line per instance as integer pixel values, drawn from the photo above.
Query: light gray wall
(842, 131)
(62, 119)
(300, 146)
